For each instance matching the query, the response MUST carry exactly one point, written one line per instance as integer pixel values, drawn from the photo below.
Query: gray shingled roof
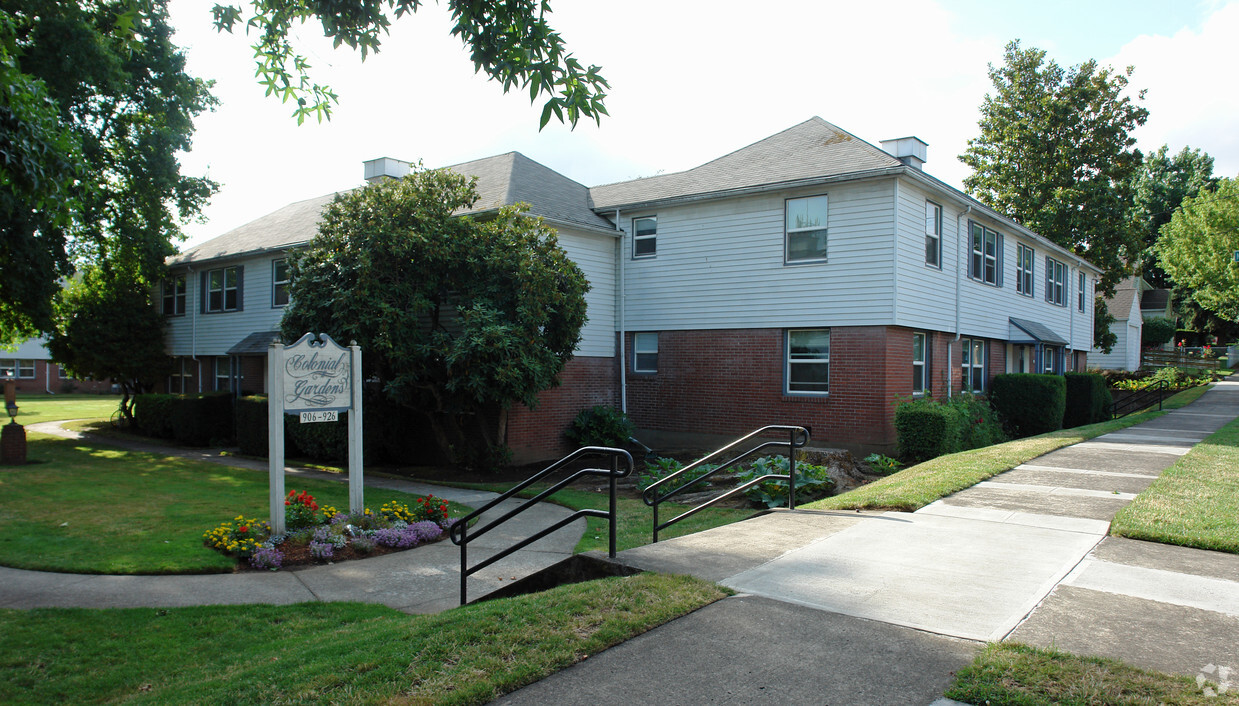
(1155, 299)
(501, 180)
(256, 343)
(813, 149)
(1037, 332)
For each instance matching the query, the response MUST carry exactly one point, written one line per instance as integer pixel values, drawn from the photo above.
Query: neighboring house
(1125, 307)
(32, 366)
(810, 278)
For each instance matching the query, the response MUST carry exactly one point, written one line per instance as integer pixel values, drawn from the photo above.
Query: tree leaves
(1197, 249)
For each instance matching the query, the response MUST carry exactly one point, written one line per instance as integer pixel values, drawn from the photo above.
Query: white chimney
(385, 167)
(911, 151)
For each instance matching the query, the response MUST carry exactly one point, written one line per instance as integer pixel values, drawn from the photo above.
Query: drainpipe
(623, 360)
(959, 244)
(47, 377)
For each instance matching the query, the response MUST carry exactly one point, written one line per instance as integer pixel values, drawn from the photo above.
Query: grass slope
(328, 652)
(49, 408)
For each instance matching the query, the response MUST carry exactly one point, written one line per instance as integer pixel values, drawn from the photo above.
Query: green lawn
(1027, 676)
(1195, 502)
(328, 652)
(88, 508)
(49, 408)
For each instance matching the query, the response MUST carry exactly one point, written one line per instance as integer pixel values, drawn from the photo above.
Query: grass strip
(1195, 502)
(33, 409)
(329, 652)
(86, 508)
(1018, 675)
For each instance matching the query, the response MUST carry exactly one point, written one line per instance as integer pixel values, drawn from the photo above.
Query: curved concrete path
(421, 580)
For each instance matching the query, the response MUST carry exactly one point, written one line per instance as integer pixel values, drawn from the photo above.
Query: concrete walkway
(847, 607)
(421, 580)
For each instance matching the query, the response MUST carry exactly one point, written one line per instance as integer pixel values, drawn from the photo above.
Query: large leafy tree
(113, 106)
(458, 317)
(1158, 187)
(1055, 153)
(509, 40)
(107, 329)
(1197, 249)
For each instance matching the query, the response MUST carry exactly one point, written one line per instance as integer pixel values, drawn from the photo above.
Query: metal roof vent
(912, 151)
(385, 167)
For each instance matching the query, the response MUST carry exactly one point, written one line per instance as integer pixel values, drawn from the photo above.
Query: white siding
(1125, 355)
(201, 334)
(594, 253)
(719, 264)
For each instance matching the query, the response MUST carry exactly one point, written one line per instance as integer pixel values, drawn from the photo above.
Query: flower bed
(324, 535)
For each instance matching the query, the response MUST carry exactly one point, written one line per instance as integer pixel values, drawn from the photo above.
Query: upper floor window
(1083, 286)
(1055, 281)
(174, 295)
(808, 361)
(933, 234)
(919, 356)
(645, 236)
(279, 282)
(645, 352)
(17, 368)
(985, 265)
(975, 356)
(1024, 270)
(805, 229)
(223, 289)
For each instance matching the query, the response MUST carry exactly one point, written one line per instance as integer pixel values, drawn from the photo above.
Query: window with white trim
(1049, 360)
(975, 356)
(808, 361)
(933, 234)
(1083, 287)
(645, 352)
(985, 264)
(805, 229)
(920, 354)
(19, 368)
(279, 282)
(223, 289)
(223, 374)
(1055, 282)
(174, 295)
(177, 378)
(645, 236)
(1024, 270)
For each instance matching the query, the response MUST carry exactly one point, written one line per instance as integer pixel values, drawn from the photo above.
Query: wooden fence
(1167, 359)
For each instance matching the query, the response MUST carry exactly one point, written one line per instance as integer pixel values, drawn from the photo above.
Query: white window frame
(223, 290)
(1083, 287)
(1025, 266)
(649, 239)
(174, 301)
(919, 367)
(791, 359)
(178, 374)
(789, 230)
(1049, 360)
(645, 345)
(226, 377)
(1055, 282)
(933, 235)
(984, 263)
(22, 368)
(279, 285)
(971, 368)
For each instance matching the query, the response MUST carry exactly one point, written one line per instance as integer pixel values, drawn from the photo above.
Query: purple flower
(408, 535)
(267, 558)
(321, 550)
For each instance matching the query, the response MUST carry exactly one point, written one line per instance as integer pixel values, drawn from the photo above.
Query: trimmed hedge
(925, 431)
(251, 414)
(153, 414)
(193, 420)
(1031, 403)
(1088, 400)
(391, 434)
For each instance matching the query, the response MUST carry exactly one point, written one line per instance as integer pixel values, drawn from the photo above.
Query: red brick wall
(254, 375)
(43, 370)
(539, 434)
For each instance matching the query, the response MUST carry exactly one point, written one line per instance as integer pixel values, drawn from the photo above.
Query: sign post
(318, 379)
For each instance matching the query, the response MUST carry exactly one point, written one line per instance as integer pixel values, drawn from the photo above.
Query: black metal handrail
(1140, 399)
(797, 438)
(459, 531)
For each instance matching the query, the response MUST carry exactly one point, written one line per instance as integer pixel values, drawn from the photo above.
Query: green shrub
(320, 441)
(202, 420)
(661, 467)
(252, 424)
(1030, 403)
(152, 413)
(601, 426)
(1088, 400)
(812, 482)
(979, 424)
(882, 465)
(1156, 330)
(925, 429)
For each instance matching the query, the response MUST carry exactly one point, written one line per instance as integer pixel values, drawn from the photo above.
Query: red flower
(243, 528)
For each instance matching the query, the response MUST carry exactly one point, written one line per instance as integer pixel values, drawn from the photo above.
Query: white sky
(688, 86)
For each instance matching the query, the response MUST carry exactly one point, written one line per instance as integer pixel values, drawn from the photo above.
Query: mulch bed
(298, 556)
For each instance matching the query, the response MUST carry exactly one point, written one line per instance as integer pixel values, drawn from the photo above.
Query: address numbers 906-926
(307, 417)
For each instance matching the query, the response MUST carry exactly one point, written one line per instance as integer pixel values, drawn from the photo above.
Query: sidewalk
(421, 580)
(846, 607)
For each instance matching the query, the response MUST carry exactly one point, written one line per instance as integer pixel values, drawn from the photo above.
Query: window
(1055, 282)
(974, 359)
(223, 374)
(1049, 360)
(933, 234)
(919, 355)
(806, 229)
(1083, 286)
(279, 283)
(985, 265)
(174, 296)
(644, 236)
(1024, 270)
(176, 379)
(223, 289)
(645, 352)
(17, 368)
(808, 361)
